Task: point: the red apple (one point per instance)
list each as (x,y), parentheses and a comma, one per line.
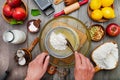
(14,3)
(7,10)
(19,13)
(113,29)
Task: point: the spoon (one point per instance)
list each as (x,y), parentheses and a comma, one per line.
(69,45)
(27,51)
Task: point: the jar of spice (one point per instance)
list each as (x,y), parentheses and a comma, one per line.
(14,36)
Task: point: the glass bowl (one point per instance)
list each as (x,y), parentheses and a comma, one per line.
(69,26)
(69,34)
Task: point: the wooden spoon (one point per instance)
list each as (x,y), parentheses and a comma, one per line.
(27,51)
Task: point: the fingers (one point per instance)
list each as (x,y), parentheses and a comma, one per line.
(41,57)
(45,65)
(89,67)
(86,62)
(83,60)
(92,67)
(77,59)
(84,67)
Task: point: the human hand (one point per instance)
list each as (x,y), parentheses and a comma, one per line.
(37,67)
(84,70)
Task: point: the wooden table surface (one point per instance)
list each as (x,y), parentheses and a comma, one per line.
(7,50)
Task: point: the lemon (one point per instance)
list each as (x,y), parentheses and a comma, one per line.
(95,4)
(96,14)
(108,12)
(106,3)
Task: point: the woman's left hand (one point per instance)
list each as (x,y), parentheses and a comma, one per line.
(37,67)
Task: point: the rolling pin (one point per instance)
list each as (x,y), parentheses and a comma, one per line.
(71,8)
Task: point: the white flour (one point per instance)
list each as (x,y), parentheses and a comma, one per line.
(106,56)
(58,41)
(32,27)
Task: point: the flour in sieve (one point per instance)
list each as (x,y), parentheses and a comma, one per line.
(58,41)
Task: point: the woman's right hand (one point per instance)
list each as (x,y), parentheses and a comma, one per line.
(84,69)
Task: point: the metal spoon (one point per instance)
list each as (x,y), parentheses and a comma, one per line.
(69,45)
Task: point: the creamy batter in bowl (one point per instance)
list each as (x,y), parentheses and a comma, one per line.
(56,47)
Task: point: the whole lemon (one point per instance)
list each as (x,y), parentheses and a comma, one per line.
(95,4)
(108,12)
(97,14)
(106,3)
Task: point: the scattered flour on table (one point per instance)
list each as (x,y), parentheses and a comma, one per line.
(106,56)
(58,41)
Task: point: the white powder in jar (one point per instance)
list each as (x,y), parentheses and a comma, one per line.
(32,27)
(58,41)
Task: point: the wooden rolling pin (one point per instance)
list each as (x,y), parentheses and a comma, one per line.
(71,8)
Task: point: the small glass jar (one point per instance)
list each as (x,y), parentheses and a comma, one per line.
(14,36)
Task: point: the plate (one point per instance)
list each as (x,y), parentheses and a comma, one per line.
(72,25)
